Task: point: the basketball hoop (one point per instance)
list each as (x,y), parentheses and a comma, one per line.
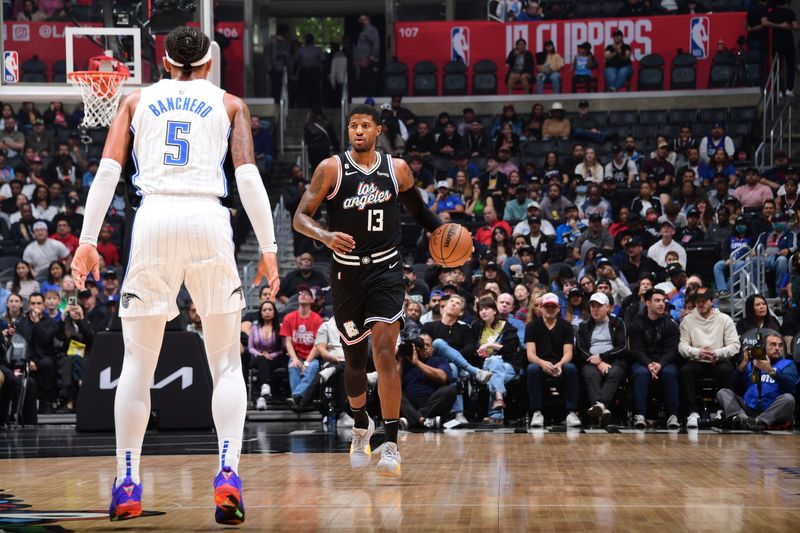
(100,89)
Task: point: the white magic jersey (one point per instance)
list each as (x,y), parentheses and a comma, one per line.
(180,141)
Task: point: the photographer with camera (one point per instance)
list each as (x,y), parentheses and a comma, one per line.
(14,374)
(427,394)
(768,379)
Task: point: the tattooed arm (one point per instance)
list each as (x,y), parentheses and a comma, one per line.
(322,182)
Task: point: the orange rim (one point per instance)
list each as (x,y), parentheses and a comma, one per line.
(90,75)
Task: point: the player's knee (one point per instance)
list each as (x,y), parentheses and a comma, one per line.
(384,355)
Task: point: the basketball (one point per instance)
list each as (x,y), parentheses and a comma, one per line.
(450,245)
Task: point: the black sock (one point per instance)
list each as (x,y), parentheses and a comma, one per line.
(390,426)
(360,417)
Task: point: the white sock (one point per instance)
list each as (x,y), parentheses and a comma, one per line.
(143,336)
(229,400)
(128,465)
(229,451)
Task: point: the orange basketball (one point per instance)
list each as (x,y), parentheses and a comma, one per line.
(450,245)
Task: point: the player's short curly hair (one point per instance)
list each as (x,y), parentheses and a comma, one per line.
(186,45)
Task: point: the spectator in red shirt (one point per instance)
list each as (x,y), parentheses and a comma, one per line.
(484,234)
(299,329)
(65,236)
(106,248)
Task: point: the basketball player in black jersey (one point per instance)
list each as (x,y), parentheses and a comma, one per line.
(363,190)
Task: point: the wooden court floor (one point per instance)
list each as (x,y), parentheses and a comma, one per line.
(470,481)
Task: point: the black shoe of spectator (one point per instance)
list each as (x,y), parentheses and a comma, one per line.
(753,424)
(45,408)
(295,403)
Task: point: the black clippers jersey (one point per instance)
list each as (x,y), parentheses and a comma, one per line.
(365,204)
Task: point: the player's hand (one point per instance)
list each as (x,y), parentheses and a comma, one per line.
(339,242)
(86,260)
(268,269)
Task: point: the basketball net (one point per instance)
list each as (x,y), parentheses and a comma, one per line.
(100,89)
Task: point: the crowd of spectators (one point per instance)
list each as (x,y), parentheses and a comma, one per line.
(581,279)
(574,255)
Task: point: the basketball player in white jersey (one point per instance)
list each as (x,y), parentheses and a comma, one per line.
(181,234)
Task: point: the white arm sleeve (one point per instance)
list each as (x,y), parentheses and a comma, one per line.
(100,195)
(256,205)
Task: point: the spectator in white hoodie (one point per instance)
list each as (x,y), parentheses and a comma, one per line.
(708,343)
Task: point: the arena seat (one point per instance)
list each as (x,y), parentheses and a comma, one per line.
(653,117)
(454,81)
(33,70)
(701,257)
(59,70)
(651,73)
(683,116)
(484,77)
(425,82)
(395,80)
(743,114)
(714,115)
(622,117)
(683,74)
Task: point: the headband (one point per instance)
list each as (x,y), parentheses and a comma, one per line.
(197,63)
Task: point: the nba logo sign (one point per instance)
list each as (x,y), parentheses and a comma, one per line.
(459,44)
(699,35)
(11,67)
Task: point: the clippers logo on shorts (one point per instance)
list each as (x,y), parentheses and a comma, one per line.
(367,194)
(302,336)
(459,44)
(11,66)
(699,35)
(350,329)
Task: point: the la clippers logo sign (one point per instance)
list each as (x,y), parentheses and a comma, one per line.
(459,44)
(700,29)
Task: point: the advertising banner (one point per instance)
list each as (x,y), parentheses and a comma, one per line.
(470,42)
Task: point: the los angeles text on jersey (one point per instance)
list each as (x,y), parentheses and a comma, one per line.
(367,194)
(193,105)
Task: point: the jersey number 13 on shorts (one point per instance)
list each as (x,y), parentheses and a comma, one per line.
(175,131)
(375,220)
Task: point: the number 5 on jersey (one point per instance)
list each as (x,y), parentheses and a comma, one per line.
(375,220)
(174,140)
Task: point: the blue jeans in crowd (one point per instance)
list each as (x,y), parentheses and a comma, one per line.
(502,373)
(442,349)
(458,363)
(641,386)
(299,381)
(617,77)
(569,384)
(555,81)
(597,137)
(720,269)
(780,264)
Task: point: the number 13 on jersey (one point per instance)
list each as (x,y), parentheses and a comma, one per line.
(375,220)
(175,139)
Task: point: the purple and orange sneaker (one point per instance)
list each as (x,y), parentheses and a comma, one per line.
(126,500)
(228,498)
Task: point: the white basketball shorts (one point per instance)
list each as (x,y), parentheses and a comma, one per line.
(181,239)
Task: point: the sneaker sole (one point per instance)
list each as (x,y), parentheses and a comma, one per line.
(227,501)
(389,472)
(126,511)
